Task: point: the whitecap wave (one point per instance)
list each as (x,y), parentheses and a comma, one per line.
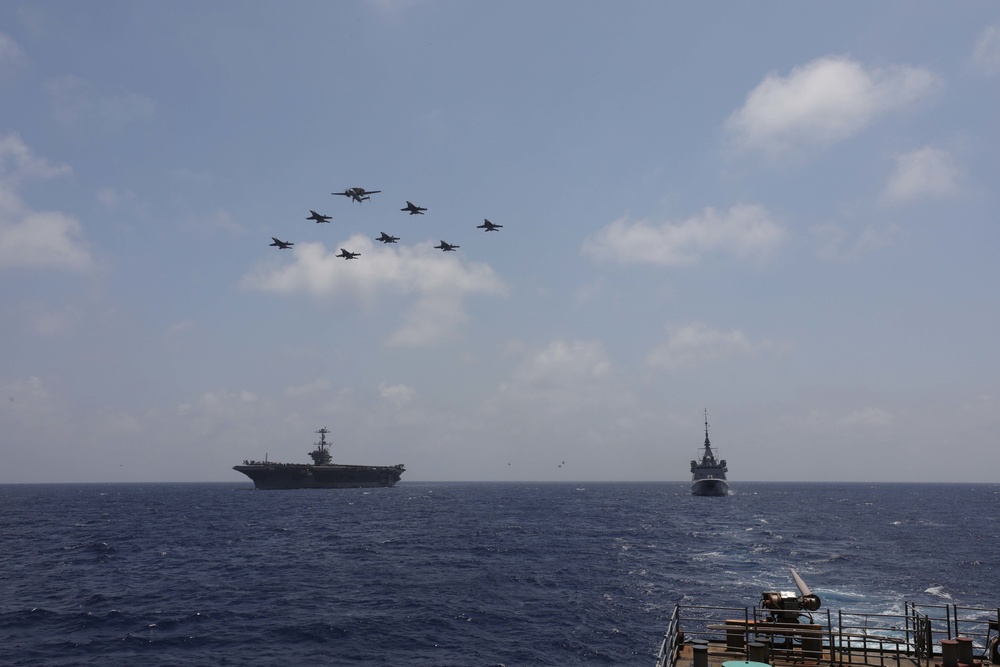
(938,591)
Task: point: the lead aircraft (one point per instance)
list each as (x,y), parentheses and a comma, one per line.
(446,247)
(386,238)
(346,254)
(413,208)
(357,194)
(284,245)
(488,226)
(318,217)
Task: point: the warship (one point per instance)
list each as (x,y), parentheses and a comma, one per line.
(708,476)
(322,473)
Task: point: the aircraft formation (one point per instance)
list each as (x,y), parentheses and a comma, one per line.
(361,195)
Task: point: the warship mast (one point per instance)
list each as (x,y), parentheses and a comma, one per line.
(708,457)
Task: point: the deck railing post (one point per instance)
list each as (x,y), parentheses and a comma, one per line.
(746,630)
(840,637)
(906,623)
(994,653)
(700,652)
(829,634)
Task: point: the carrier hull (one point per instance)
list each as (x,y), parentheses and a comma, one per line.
(293,476)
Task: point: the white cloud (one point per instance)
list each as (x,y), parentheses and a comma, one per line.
(17,161)
(51,323)
(398,394)
(590,292)
(109,197)
(922,174)
(43,241)
(120,424)
(222,403)
(434,317)
(746,231)
(315,387)
(35,239)
(22,391)
(114,199)
(564,362)
(563,376)
(866,418)
(440,282)
(836,244)
(691,344)
(190,177)
(220,220)
(75,100)
(821,103)
(393,8)
(179,329)
(10,52)
(986,54)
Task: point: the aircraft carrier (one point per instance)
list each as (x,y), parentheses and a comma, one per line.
(322,473)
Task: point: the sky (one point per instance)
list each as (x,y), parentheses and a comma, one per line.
(785,214)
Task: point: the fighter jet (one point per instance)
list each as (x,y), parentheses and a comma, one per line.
(318,217)
(284,245)
(413,208)
(488,226)
(357,194)
(446,247)
(348,255)
(385,238)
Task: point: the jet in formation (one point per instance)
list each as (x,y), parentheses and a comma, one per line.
(413,208)
(488,226)
(357,194)
(446,247)
(360,195)
(318,217)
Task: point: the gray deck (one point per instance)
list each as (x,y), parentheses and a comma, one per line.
(718,654)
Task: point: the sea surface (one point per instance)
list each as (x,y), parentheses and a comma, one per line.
(456,573)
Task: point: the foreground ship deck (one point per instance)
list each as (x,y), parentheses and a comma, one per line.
(321,474)
(921,636)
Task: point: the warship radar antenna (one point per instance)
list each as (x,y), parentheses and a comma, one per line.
(708,445)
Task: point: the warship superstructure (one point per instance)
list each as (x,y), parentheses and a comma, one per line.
(708,476)
(322,473)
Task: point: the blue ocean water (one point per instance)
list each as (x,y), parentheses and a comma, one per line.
(456,573)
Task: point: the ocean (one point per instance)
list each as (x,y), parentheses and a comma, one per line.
(456,573)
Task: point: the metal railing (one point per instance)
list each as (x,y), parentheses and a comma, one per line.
(838,638)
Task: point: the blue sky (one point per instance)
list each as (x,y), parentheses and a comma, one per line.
(786,213)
